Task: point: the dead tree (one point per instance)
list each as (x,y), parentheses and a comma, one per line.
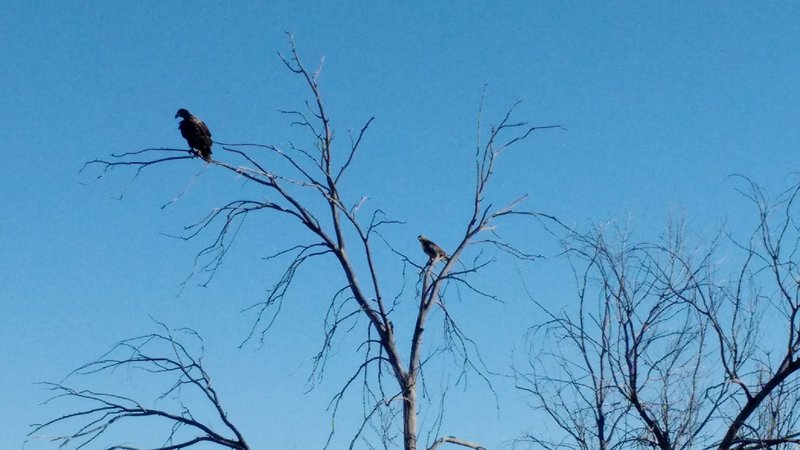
(308,191)
(159,355)
(767,288)
(665,351)
(624,367)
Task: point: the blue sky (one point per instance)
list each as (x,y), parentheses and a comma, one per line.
(661,102)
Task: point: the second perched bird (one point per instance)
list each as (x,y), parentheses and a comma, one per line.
(196,133)
(431,249)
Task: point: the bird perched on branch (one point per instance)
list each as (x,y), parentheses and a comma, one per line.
(433,251)
(196,134)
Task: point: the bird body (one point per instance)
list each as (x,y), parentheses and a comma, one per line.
(431,249)
(196,133)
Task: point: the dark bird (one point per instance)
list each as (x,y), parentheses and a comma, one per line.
(196,134)
(431,249)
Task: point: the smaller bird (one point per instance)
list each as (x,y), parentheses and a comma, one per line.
(196,134)
(433,251)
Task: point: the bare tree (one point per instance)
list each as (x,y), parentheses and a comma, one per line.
(664,352)
(627,371)
(162,356)
(767,285)
(309,192)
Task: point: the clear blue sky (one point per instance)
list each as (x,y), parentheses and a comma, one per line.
(660,101)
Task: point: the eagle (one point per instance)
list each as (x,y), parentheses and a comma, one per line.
(433,251)
(196,133)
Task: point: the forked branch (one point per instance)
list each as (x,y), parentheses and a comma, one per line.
(157,354)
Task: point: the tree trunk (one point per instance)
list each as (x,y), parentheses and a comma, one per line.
(410,414)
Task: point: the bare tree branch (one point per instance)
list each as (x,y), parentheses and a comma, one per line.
(107,411)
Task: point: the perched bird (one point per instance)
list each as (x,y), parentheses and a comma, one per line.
(431,249)
(196,133)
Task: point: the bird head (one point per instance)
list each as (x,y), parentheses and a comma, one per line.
(184,113)
(421,238)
